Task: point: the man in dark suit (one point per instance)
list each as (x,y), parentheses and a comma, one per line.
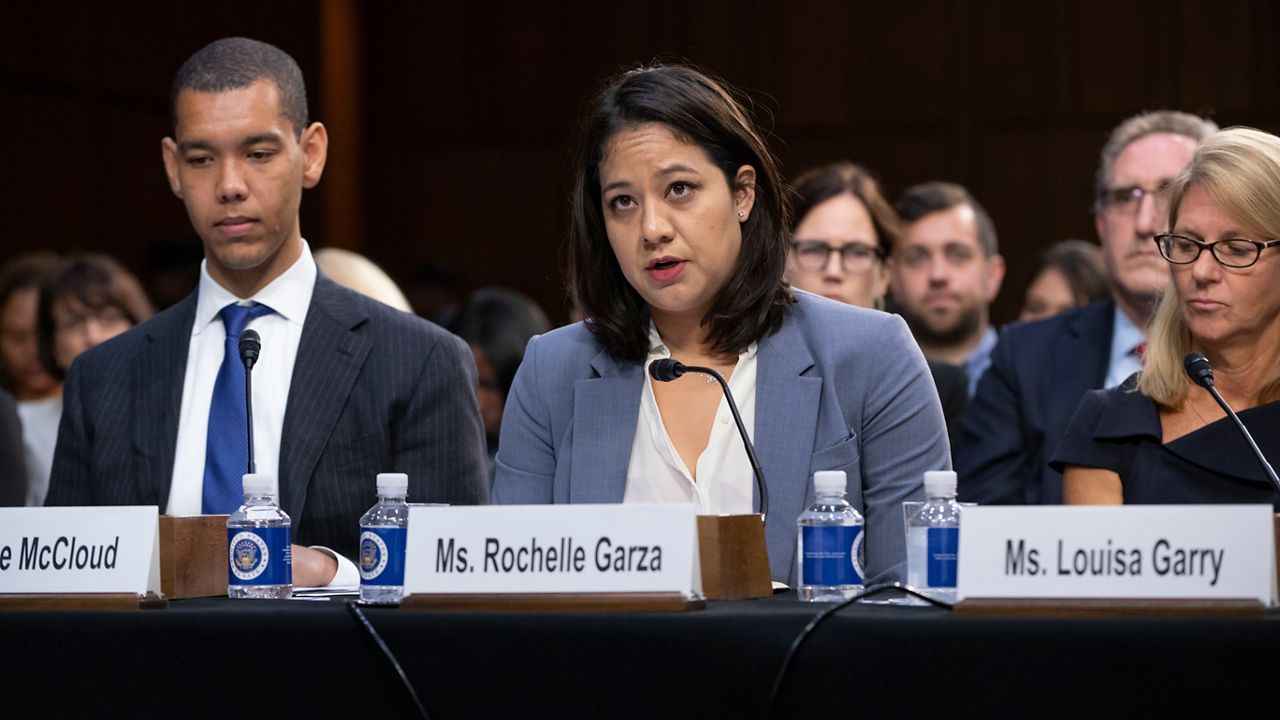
(344,388)
(1040,370)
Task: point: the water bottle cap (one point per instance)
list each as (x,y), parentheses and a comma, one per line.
(829,482)
(939,482)
(259,484)
(393,482)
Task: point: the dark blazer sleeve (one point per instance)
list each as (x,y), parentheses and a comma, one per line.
(13,469)
(994,458)
(70,479)
(1079,446)
(441,435)
(953,393)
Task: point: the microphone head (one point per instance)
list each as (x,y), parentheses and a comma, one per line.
(666,369)
(250,346)
(1198,369)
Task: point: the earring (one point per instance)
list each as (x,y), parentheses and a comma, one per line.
(741,215)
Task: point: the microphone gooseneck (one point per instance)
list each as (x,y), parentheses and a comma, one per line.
(1201,373)
(250,348)
(668,369)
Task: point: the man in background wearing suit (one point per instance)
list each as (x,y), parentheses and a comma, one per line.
(345,387)
(1040,370)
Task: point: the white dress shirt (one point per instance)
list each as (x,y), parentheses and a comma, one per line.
(725,483)
(40,420)
(289,297)
(1123,362)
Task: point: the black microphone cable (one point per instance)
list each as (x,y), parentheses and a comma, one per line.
(1201,373)
(354,607)
(250,347)
(780,679)
(668,369)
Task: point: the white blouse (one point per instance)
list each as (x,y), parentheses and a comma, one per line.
(657,473)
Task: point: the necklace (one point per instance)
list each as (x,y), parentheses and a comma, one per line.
(1195,410)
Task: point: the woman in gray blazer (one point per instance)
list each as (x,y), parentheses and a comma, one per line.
(679,246)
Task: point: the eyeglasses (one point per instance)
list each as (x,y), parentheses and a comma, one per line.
(855,257)
(1127,200)
(1232,252)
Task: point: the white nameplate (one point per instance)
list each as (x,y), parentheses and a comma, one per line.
(1114,552)
(79,550)
(553,549)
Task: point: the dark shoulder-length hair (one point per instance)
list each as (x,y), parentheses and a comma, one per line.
(844,178)
(95,281)
(703,112)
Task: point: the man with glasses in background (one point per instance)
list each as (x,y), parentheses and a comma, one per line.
(1040,370)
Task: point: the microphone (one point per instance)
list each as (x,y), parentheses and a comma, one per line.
(250,347)
(668,369)
(1201,373)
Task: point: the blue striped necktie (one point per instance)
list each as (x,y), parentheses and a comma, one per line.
(226,456)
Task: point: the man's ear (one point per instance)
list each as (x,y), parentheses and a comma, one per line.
(315,151)
(169,154)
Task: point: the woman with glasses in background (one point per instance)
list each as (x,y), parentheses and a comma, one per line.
(1160,438)
(842,246)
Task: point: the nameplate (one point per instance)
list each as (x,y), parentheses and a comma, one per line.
(79,550)
(553,549)
(1113,552)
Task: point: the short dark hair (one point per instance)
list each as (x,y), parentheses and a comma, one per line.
(934,196)
(704,112)
(1080,263)
(236,63)
(500,321)
(24,272)
(97,282)
(844,178)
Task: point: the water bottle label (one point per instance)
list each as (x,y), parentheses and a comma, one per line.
(382,555)
(259,556)
(832,555)
(943,548)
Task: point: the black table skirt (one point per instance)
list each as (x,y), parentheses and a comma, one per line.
(224,658)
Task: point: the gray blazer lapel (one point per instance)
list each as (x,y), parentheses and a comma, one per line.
(786,424)
(158,376)
(330,355)
(605,411)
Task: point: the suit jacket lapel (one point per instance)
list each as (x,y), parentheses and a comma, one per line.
(158,377)
(330,355)
(786,425)
(1080,361)
(605,411)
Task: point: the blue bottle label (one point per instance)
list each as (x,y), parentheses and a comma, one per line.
(832,555)
(943,549)
(259,556)
(382,555)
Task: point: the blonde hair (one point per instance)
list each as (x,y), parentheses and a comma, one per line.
(359,273)
(1240,169)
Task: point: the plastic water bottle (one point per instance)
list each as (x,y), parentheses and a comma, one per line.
(830,543)
(383,531)
(933,538)
(259,550)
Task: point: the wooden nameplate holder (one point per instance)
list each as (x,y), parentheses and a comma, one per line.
(193,556)
(734,558)
(1076,608)
(733,561)
(83,602)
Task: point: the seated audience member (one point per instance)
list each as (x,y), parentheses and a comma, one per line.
(357,272)
(1067,275)
(679,246)
(344,387)
(38,393)
(1159,438)
(1040,370)
(88,300)
(13,469)
(842,247)
(497,323)
(947,272)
